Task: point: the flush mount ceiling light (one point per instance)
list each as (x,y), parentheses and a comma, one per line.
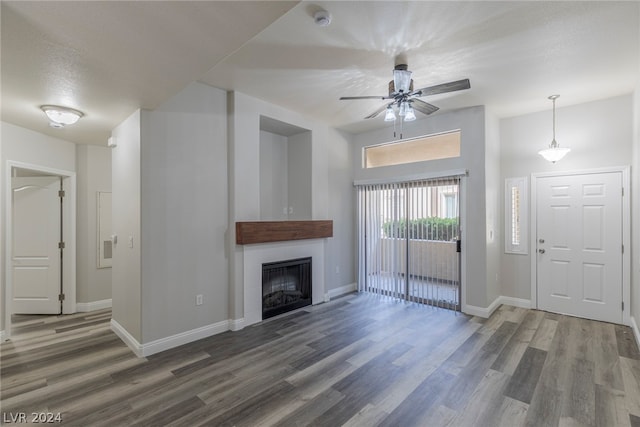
(60,117)
(554,152)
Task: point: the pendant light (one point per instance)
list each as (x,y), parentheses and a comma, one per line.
(554,152)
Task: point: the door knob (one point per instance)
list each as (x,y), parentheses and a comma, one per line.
(541,240)
(541,251)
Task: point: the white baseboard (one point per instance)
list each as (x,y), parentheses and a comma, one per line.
(127,338)
(236,324)
(162,344)
(83,307)
(515,302)
(486,312)
(342,290)
(636,331)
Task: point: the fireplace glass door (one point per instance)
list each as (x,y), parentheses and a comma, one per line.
(286,286)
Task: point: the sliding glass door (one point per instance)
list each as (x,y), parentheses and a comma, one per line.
(409,241)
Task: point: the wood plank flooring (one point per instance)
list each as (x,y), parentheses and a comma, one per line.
(361,360)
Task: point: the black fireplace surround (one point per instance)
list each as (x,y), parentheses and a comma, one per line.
(286,285)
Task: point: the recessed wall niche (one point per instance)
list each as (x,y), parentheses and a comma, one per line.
(285,171)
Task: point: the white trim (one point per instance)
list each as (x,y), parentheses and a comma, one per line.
(626,235)
(501,300)
(481,311)
(415,177)
(522,183)
(182,338)
(515,302)
(636,331)
(69,226)
(236,324)
(83,307)
(162,344)
(342,290)
(126,337)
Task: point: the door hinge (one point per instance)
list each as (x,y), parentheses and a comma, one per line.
(623,248)
(60,297)
(61,193)
(60,245)
(622,191)
(622,305)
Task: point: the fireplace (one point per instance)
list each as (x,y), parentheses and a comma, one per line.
(286,285)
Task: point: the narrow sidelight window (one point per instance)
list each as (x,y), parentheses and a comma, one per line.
(515,215)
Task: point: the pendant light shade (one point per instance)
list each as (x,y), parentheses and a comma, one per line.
(410,115)
(389,116)
(554,152)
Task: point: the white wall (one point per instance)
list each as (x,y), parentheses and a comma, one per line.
(341,249)
(635,208)
(184,213)
(493,189)
(94,175)
(599,134)
(300,168)
(126,270)
(471,122)
(26,146)
(274,177)
(244,175)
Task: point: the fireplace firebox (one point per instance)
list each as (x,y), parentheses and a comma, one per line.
(286,285)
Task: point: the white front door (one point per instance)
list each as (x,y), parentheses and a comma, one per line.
(36,234)
(579,245)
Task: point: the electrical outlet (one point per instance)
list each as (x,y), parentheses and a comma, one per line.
(199,299)
(130,241)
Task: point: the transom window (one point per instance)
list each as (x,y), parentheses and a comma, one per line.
(431,147)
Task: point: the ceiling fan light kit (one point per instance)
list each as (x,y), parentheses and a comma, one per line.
(390,116)
(554,152)
(405,99)
(60,117)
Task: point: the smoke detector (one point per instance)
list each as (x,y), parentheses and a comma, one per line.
(322,18)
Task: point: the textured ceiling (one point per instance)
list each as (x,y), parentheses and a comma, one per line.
(110,58)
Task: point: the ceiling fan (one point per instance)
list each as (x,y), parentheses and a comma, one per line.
(404,97)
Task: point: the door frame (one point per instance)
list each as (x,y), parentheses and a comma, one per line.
(626,231)
(69,233)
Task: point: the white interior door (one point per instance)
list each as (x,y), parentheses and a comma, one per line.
(36,234)
(579,245)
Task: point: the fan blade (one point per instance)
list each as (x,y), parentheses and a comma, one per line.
(343,98)
(442,88)
(423,107)
(378,111)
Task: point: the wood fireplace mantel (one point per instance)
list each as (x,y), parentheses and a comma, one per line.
(279,231)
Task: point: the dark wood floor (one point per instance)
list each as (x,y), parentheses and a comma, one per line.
(361,360)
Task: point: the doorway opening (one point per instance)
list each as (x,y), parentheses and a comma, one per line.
(410,239)
(40,276)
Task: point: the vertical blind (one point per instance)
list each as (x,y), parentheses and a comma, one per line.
(407,240)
